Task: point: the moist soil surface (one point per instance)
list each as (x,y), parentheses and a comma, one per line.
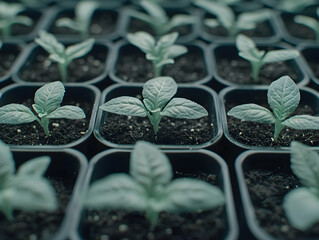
(133,67)
(103,22)
(42,69)
(62,131)
(238,71)
(267,188)
(127,130)
(261,135)
(202,225)
(7,58)
(40,224)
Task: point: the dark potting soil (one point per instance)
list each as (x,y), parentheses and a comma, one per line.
(127,130)
(314,65)
(295,29)
(103,23)
(238,71)
(19,29)
(42,69)
(37,225)
(62,131)
(7,58)
(267,188)
(257,134)
(201,225)
(133,67)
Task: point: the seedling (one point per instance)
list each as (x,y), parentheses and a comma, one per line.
(157,102)
(84,11)
(283,98)
(63,56)
(47,100)
(160,52)
(9,16)
(309,22)
(149,188)
(295,6)
(25,189)
(257,58)
(157,19)
(301,204)
(226,18)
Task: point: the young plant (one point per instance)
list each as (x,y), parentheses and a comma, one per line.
(226,18)
(283,98)
(301,205)
(160,52)
(157,19)
(25,189)
(157,102)
(309,22)
(47,100)
(63,56)
(9,16)
(84,11)
(295,6)
(149,188)
(247,49)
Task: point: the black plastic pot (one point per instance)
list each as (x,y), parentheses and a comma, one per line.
(193,67)
(199,94)
(188,162)
(9,55)
(311,63)
(35,66)
(108,12)
(274,179)
(67,165)
(87,96)
(225,58)
(265,33)
(187,33)
(234,96)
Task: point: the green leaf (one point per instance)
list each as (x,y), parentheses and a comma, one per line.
(280,55)
(305,164)
(23,20)
(149,166)
(283,97)
(116,191)
(301,208)
(184,108)
(159,91)
(180,20)
(252,112)
(309,22)
(302,122)
(50,96)
(164,62)
(155,11)
(188,195)
(175,51)
(249,20)
(84,11)
(142,40)
(7,165)
(244,43)
(167,40)
(128,106)
(80,49)
(68,23)
(50,43)
(16,114)
(68,112)
(35,167)
(212,23)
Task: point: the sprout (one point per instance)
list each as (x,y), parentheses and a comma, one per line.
(309,22)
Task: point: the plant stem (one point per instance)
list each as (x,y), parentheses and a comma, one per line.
(157,70)
(155,118)
(256,69)
(44,123)
(278,127)
(63,68)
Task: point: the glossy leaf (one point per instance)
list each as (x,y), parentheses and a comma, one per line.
(35,167)
(67,112)
(280,55)
(80,49)
(302,122)
(16,114)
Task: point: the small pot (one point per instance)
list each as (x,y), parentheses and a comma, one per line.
(225,54)
(186,162)
(67,165)
(36,66)
(264,178)
(199,94)
(265,33)
(19,93)
(192,67)
(105,25)
(234,96)
(187,33)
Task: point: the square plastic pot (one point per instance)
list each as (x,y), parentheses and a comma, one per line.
(18,93)
(228,53)
(199,94)
(274,165)
(194,67)
(194,161)
(101,52)
(234,96)
(67,165)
